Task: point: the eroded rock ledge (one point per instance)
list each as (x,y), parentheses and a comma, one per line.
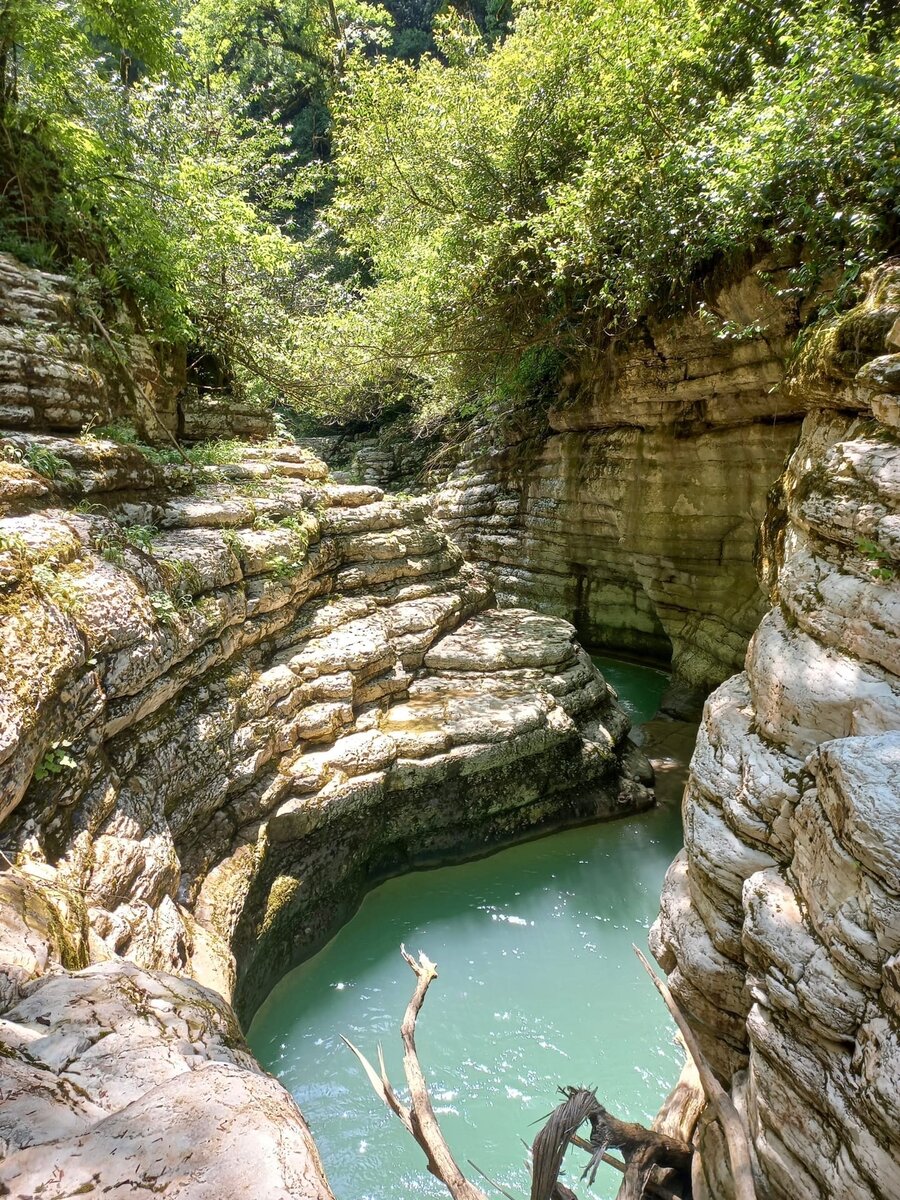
(780,920)
(634,511)
(233,696)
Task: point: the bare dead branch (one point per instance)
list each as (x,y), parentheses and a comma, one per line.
(719,1099)
(419,1119)
(426,1129)
(382,1086)
(643,1149)
(138,395)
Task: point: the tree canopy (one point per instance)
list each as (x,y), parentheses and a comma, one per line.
(515,203)
(347,202)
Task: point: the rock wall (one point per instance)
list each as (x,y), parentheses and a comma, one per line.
(233,694)
(635,514)
(203,670)
(390,452)
(57,367)
(125,1082)
(780,920)
(59,370)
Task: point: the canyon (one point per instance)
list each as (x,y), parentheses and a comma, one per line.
(644,514)
(237,693)
(234,697)
(634,509)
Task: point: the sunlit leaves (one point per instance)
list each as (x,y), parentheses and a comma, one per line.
(580,174)
(152,186)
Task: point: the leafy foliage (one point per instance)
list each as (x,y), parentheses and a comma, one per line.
(140,536)
(123,166)
(585,171)
(164,607)
(56,759)
(881,567)
(44,461)
(500,188)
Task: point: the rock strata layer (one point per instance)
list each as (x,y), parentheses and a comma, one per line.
(780,920)
(61,368)
(635,513)
(233,695)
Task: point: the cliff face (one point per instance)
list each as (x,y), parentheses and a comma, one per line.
(198,681)
(636,513)
(233,695)
(780,921)
(59,371)
(61,368)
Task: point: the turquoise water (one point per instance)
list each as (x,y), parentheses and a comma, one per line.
(538,986)
(640,688)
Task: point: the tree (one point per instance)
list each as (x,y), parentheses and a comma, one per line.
(515,202)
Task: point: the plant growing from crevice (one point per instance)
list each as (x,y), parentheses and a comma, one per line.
(183,574)
(56,760)
(14,544)
(140,536)
(164,607)
(232,540)
(45,462)
(280,567)
(57,586)
(302,526)
(882,567)
(111,546)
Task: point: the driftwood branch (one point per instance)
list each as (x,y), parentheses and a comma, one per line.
(646,1153)
(643,1149)
(419,1119)
(660,1190)
(720,1101)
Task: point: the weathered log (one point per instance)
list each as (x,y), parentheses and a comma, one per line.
(643,1149)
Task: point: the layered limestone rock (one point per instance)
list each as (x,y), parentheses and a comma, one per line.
(201,677)
(233,695)
(780,920)
(127,1082)
(635,513)
(60,368)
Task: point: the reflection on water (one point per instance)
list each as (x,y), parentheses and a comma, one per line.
(538,987)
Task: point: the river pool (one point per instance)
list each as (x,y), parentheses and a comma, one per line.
(538,987)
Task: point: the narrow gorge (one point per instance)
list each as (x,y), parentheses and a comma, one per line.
(450,599)
(237,694)
(234,697)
